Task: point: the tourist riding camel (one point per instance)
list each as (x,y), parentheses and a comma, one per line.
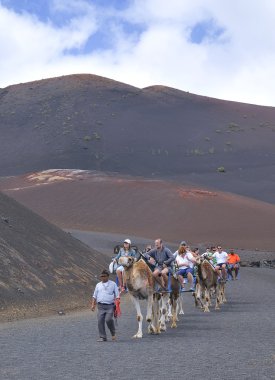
(233,264)
(141,285)
(170,305)
(221,257)
(126,250)
(162,258)
(207,280)
(185,263)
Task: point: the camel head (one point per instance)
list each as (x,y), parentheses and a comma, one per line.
(198,260)
(126,261)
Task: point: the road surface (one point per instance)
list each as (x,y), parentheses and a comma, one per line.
(237,342)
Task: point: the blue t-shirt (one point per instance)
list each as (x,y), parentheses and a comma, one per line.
(122,252)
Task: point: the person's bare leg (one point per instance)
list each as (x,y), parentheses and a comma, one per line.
(223,272)
(164,273)
(190,279)
(120,280)
(180,278)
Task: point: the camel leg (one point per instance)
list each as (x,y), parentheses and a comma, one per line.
(174,299)
(163,311)
(206,304)
(211,295)
(180,305)
(149,314)
(217,306)
(221,293)
(154,327)
(169,313)
(139,317)
(198,296)
(224,299)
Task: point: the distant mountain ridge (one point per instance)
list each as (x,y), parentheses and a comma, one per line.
(89,122)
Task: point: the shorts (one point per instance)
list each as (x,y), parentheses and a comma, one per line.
(220,265)
(231,266)
(120,268)
(160,268)
(185,271)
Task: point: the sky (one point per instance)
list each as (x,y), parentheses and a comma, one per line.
(218,48)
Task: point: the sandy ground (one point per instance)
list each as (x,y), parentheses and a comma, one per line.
(94,201)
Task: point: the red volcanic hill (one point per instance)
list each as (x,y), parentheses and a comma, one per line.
(94,123)
(99,202)
(43,269)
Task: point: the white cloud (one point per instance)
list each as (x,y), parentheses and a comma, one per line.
(236,65)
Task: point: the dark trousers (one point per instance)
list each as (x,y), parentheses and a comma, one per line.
(105,314)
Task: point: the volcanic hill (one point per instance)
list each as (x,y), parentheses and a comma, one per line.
(43,269)
(94,123)
(94,201)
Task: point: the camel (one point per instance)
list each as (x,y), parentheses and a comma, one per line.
(207,281)
(141,285)
(169,305)
(180,310)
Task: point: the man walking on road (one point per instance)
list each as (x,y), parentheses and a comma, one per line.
(221,257)
(105,294)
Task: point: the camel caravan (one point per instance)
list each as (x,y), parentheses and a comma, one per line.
(160,277)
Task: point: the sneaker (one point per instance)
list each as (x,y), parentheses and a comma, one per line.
(191,289)
(101,340)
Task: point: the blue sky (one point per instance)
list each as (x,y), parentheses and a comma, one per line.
(223,49)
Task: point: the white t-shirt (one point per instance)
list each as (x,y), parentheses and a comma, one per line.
(190,257)
(221,257)
(185,260)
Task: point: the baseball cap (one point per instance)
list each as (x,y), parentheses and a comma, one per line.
(183,243)
(127,241)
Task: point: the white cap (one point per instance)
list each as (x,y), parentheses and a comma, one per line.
(127,241)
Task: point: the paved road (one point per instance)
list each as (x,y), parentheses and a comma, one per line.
(237,342)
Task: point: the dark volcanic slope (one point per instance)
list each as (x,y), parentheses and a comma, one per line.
(90,122)
(148,208)
(42,268)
